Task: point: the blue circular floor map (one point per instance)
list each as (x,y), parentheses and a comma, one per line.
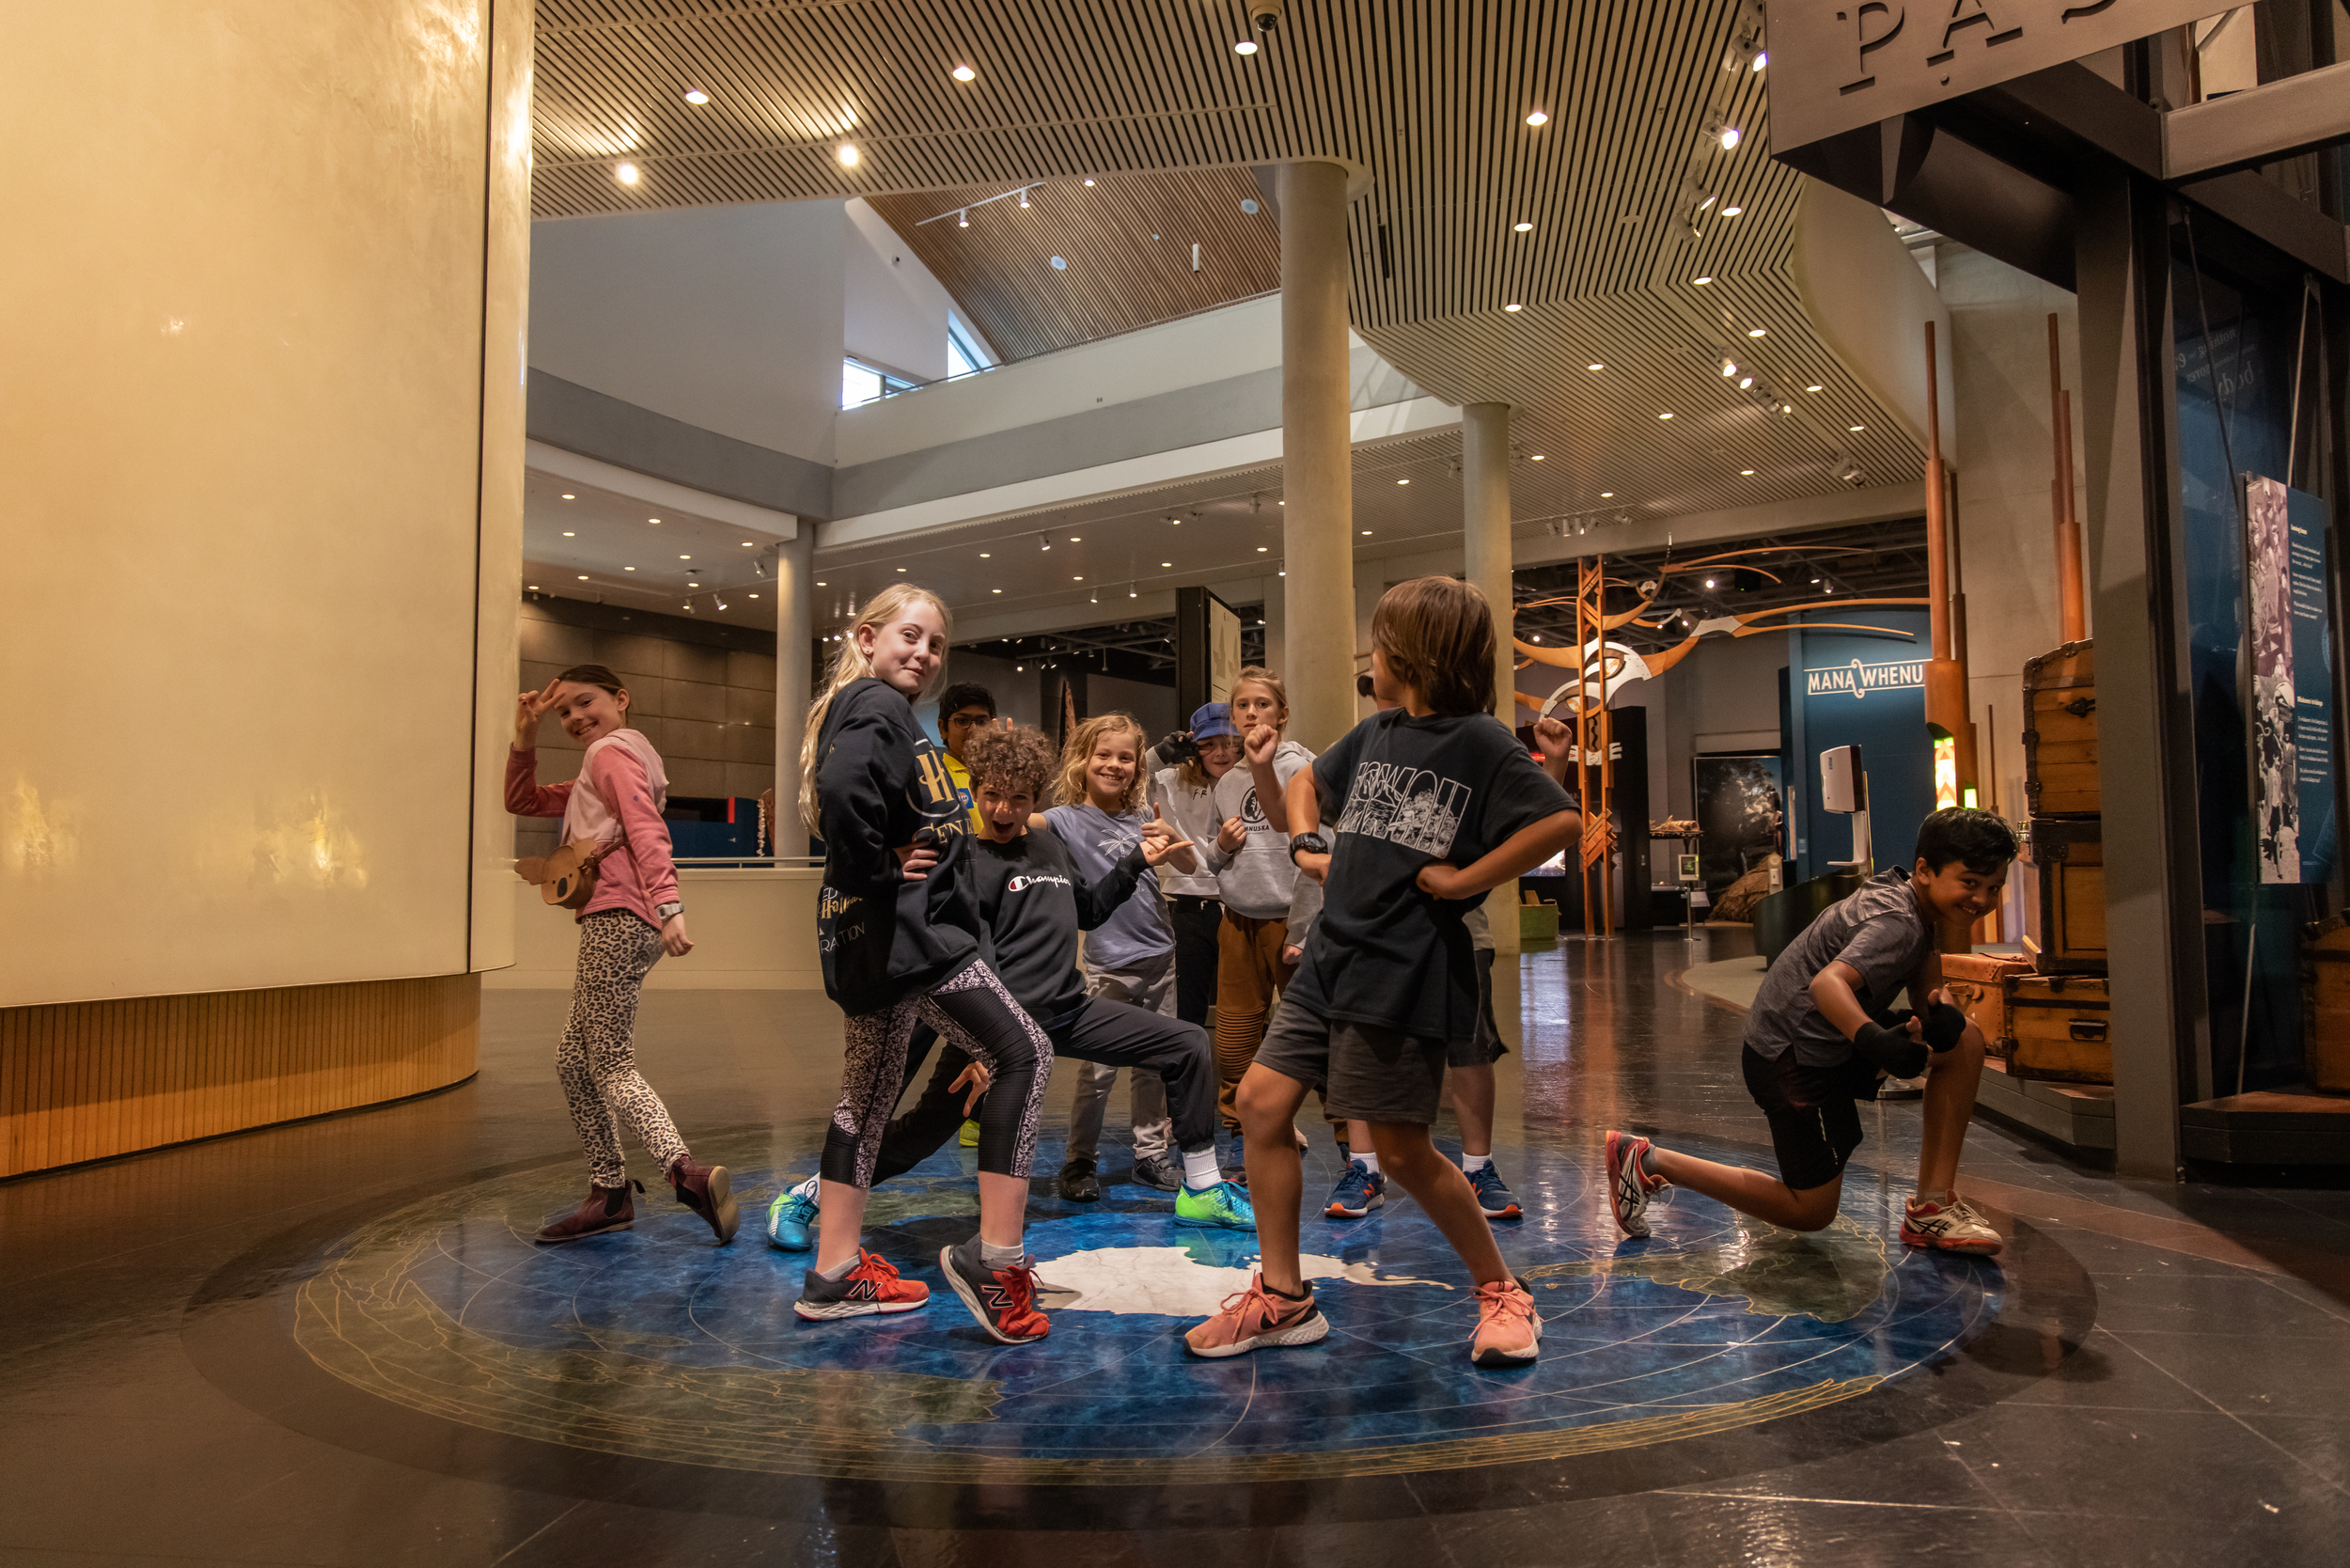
(653,1343)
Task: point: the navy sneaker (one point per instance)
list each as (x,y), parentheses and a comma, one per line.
(1493,1194)
(1359,1191)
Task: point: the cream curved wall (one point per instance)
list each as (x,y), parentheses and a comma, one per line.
(260,462)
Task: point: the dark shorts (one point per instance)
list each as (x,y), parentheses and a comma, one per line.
(1365,1073)
(1487,1047)
(1814,1127)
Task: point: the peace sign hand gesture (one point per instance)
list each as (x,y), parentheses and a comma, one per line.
(530,708)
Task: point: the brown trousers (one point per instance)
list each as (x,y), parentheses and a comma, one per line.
(1250,975)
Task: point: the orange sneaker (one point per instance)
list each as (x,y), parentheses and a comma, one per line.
(1508,1330)
(1255,1317)
(872,1286)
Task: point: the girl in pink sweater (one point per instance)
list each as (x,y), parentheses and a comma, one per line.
(633,919)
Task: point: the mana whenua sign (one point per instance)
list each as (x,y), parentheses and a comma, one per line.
(1857,680)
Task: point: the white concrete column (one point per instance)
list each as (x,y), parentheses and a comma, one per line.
(1317,456)
(1486,562)
(1275,601)
(795,630)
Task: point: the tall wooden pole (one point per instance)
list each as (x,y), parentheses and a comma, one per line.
(1946,678)
(1583,735)
(2072,598)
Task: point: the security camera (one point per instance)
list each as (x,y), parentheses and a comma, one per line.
(1263,14)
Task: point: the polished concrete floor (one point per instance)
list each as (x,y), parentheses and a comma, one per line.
(332,1344)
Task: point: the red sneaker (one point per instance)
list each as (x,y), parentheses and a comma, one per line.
(872,1286)
(1003,1299)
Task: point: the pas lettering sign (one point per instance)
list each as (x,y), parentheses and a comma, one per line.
(1836,65)
(1857,680)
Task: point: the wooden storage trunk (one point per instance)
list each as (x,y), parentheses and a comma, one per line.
(2060,732)
(1973,981)
(2063,872)
(2326,1023)
(2060,1023)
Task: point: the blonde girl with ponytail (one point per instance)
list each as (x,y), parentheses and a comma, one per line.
(899,938)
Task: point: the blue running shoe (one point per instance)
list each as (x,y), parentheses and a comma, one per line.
(792,1219)
(1222,1204)
(1492,1193)
(1359,1191)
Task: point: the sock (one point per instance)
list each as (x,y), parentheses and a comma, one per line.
(1001,1257)
(1472,1164)
(1940,1200)
(1368,1161)
(1200,1171)
(838,1271)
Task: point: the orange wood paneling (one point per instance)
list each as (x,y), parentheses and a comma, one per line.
(88,1080)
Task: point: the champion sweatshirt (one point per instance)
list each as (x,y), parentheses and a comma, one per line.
(1034,902)
(880,783)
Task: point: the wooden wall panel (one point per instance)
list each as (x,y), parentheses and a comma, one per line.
(88,1080)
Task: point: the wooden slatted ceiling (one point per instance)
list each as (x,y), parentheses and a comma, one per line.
(1127,240)
(1429,96)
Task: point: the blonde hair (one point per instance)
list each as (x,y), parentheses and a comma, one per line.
(851,663)
(1270,681)
(1070,791)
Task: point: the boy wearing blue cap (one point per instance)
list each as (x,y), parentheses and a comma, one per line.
(1182,786)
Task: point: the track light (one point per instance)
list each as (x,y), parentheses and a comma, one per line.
(1043,543)
(1721,131)
(1024,195)
(1729,369)
(963,217)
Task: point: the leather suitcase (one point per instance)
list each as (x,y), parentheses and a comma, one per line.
(2060,732)
(2063,874)
(2061,1023)
(2325,1006)
(1973,981)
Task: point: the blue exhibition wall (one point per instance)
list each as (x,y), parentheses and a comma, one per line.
(1864,689)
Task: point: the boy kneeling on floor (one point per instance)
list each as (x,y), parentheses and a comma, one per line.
(1821,1034)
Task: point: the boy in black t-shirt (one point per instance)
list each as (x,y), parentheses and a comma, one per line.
(1820,1035)
(1435,802)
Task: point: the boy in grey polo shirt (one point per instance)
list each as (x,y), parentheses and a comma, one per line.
(1822,1032)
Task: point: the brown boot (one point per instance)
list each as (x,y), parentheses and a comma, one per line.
(707,1190)
(605,1209)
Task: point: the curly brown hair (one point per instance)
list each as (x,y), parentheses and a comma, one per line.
(1014,759)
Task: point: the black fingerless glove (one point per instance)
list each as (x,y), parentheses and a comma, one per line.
(1891,1049)
(1944,1025)
(1176,748)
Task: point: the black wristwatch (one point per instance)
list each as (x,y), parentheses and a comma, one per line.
(1310,843)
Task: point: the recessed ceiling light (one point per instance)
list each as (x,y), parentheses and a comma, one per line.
(1702,282)
(693,585)
(569,496)
(1856,428)
(1246,46)
(1595,365)
(823,584)
(652,520)
(1815,389)
(568,533)
(1605,494)
(628,569)
(1758,331)
(1077,579)
(1076,539)
(1666,415)
(1166,563)
(1538,457)
(583,576)
(1366,533)
(1403,481)
(1513,306)
(964,73)
(1746,473)
(1538,118)
(902,572)
(748,546)
(685,557)
(1522,225)
(847,155)
(532,587)
(1731,211)
(626,174)
(1261,549)
(984,553)
(695,95)
(995,590)
(1088,180)
(754,596)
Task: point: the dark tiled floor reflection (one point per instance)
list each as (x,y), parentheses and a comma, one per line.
(2166,1382)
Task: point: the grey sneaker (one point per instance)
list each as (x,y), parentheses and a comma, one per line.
(1157,1170)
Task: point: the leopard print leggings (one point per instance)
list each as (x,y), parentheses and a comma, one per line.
(597,1059)
(972,1012)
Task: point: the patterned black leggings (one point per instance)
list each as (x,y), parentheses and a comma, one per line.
(972,1012)
(597,1059)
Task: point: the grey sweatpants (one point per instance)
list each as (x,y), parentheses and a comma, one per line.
(1150,986)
